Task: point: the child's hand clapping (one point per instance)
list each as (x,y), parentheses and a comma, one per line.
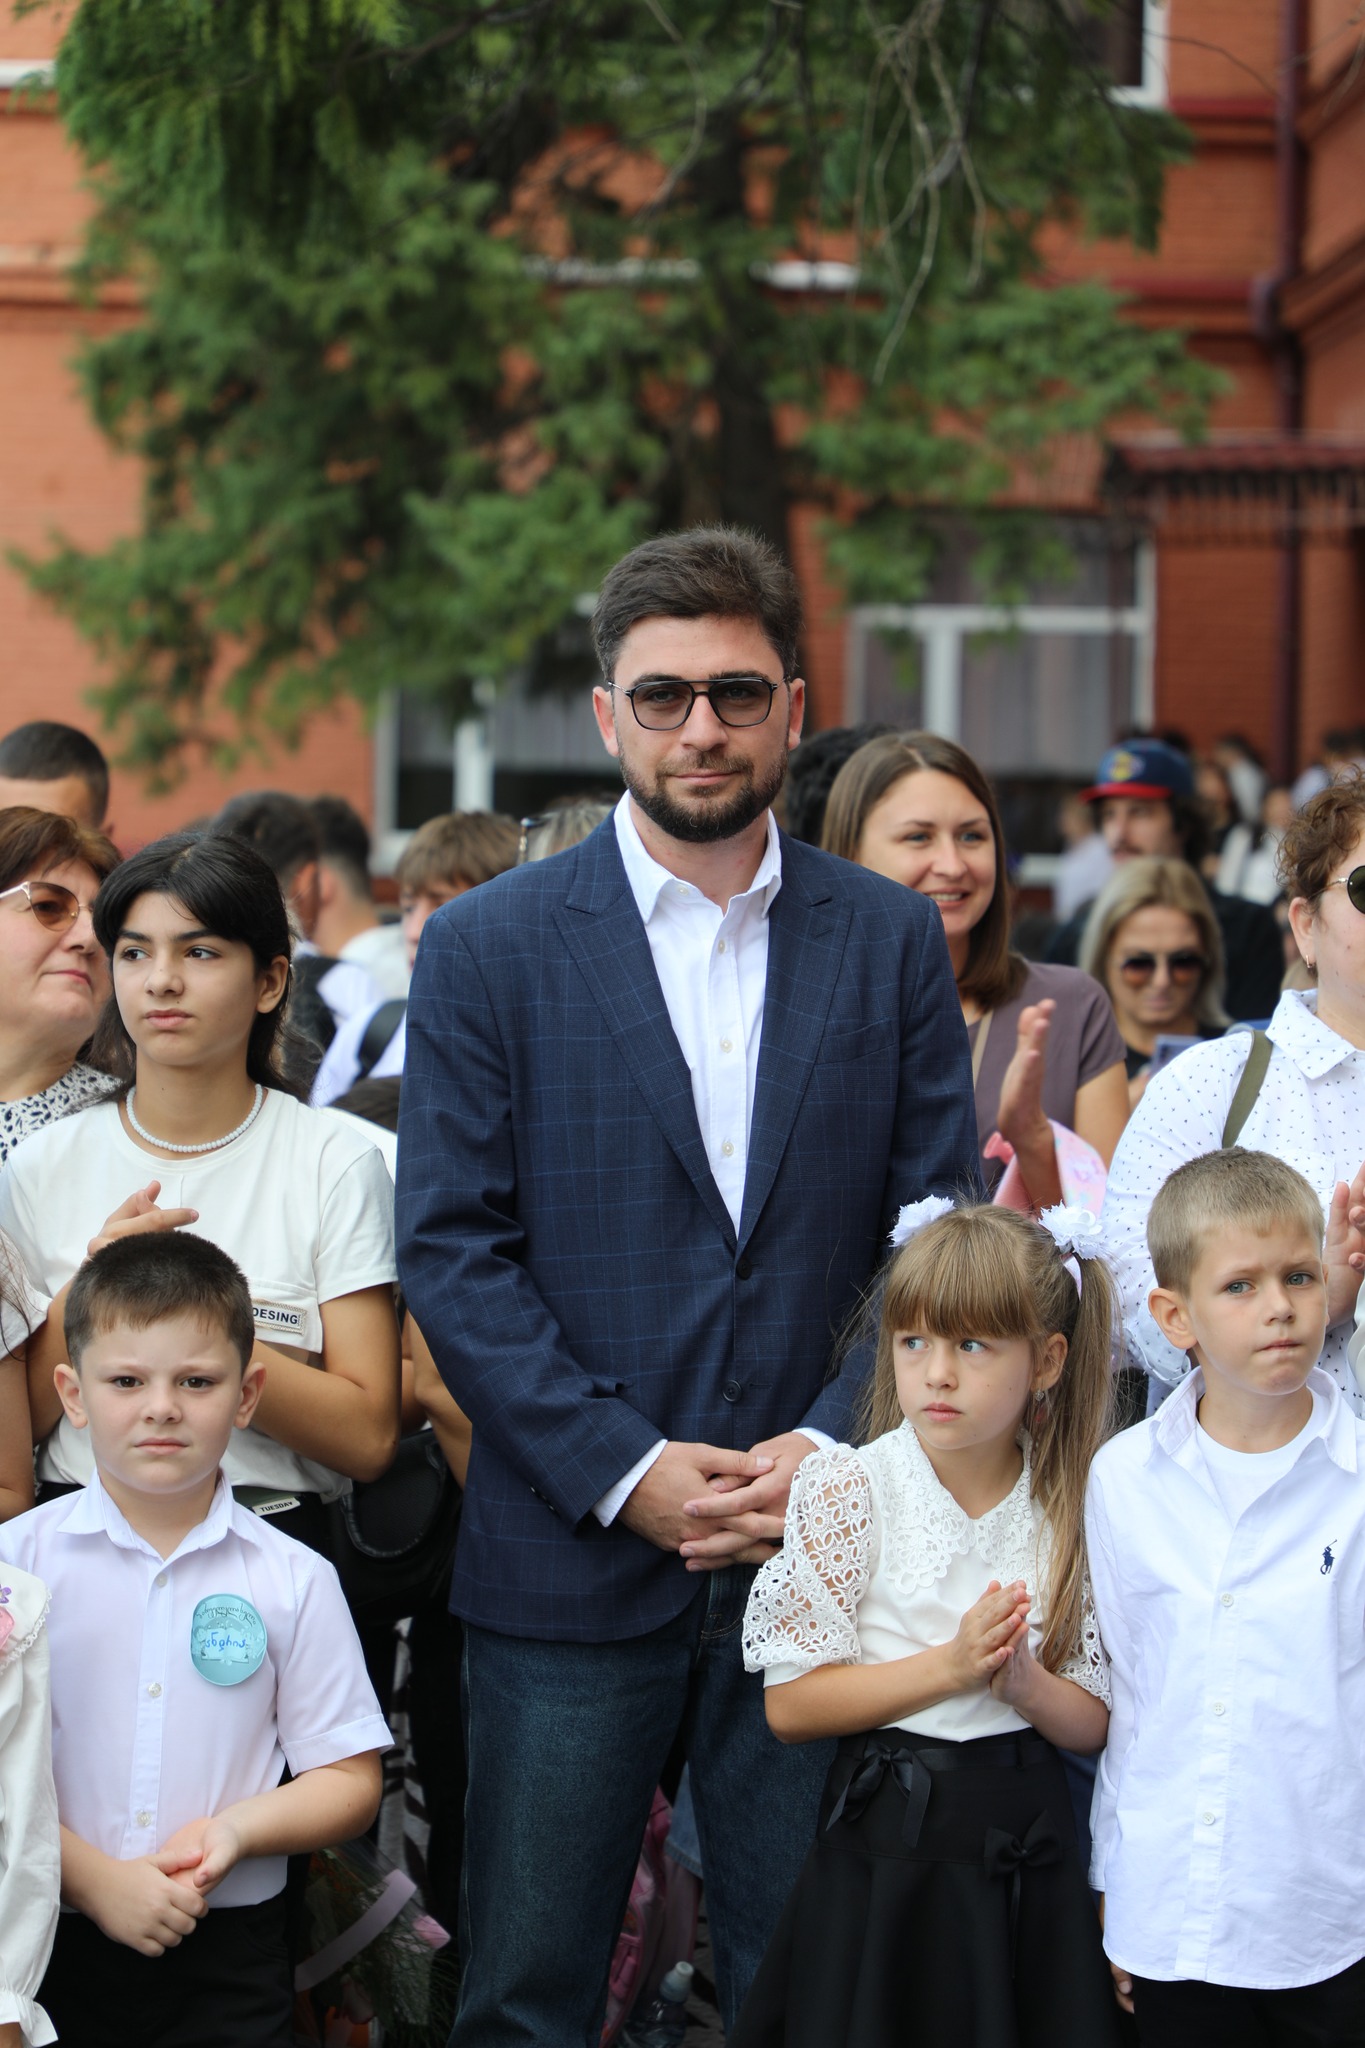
(987,1632)
(139,1904)
(203,1850)
(1015,1680)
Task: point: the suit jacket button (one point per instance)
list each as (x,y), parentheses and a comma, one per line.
(744,1267)
(732,1390)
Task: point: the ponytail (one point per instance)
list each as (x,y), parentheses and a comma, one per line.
(1067,1425)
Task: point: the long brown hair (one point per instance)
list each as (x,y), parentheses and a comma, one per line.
(988,1272)
(994,974)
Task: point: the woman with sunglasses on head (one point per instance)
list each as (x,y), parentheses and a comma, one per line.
(1152,942)
(53,975)
(1307,1106)
(207,1131)
(1045,1051)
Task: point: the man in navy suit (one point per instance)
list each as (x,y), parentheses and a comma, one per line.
(664,1094)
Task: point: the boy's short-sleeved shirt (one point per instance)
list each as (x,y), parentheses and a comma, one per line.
(302,1201)
(144,1736)
(1229,1817)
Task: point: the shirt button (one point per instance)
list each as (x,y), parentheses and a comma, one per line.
(161,1578)
(1226,1599)
(725,1045)
(154,1691)
(727,1150)
(720,945)
(1208,1819)
(1218,1707)
(144,1820)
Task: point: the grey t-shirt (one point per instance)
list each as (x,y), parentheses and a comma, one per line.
(1084,1041)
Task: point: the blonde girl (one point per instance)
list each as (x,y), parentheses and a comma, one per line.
(930,1609)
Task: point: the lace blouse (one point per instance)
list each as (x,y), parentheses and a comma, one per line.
(879,1562)
(77,1087)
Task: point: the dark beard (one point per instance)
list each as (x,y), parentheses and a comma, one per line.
(709,822)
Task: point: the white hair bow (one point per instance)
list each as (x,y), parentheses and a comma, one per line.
(1075,1231)
(914,1216)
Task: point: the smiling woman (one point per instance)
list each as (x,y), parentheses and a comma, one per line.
(208,1132)
(53,976)
(917,809)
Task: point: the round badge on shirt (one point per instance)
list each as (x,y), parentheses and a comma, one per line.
(227,1639)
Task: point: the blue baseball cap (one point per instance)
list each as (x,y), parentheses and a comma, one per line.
(1145,769)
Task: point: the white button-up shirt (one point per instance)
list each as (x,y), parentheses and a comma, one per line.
(1310,1112)
(712,966)
(142,1743)
(1229,1816)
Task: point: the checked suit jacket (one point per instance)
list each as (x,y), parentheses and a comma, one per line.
(563,1246)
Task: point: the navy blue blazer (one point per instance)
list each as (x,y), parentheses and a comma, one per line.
(563,1246)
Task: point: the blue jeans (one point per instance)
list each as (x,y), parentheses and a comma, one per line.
(566,1742)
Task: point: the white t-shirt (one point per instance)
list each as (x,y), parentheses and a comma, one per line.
(302,1201)
(1243,1476)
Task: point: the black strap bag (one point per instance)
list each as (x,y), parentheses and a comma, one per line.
(395,1536)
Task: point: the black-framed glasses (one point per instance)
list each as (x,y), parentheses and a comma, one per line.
(1183,967)
(663,703)
(1354,885)
(55,907)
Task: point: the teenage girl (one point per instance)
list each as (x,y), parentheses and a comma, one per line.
(930,1607)
(211,1133)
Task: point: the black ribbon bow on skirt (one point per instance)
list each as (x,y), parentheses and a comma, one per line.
(908,1768)
(1006,1855)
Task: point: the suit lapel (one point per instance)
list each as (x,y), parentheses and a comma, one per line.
(807,932)
(601,926)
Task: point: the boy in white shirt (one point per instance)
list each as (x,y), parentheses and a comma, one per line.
(196,1652)
(1226,1539)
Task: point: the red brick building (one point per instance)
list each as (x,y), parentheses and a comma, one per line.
(1215,588)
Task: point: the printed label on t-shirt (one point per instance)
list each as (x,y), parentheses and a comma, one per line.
(269,1315)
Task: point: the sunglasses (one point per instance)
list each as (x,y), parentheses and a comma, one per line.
(663,703)
(55,907)
(1354,885)
(1137,969)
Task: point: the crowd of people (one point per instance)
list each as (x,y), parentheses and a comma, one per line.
(688,1314)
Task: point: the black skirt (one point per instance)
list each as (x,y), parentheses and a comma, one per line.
(943,1905)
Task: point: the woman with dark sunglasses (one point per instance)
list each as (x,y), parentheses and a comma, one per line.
(53,975)
(1152,942)
(1308,1107)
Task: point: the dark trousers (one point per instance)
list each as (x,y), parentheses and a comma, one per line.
(565,1744)
(228,1985)
(1195,2015)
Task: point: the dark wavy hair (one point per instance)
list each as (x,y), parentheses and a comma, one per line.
(227,887)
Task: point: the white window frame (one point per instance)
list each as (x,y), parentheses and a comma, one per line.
(1155,89)
(942,628)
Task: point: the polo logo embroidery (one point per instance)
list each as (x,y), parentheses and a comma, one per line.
(1327,1558)
(268,1315)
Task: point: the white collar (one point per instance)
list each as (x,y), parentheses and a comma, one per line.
(1176,1423)
(648,879)
(94,1513)
(1302,1036)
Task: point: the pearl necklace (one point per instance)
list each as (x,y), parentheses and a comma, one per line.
(213,1145)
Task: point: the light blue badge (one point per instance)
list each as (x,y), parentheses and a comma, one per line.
(227,1639)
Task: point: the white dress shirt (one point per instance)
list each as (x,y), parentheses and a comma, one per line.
(712,966)
(1229,1816)
(142,1743)
(1310,1112)
(30,1842)
(879,1562)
